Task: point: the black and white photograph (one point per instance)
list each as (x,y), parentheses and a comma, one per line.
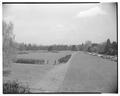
(60,47)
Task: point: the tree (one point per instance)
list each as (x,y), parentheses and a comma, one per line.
(101,48)
(87,45)
(8,44)
(115,48)
(50,48)
(73,48)
(94,48)
(108,48)
(89,49)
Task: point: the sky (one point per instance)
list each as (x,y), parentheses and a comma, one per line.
(47,24)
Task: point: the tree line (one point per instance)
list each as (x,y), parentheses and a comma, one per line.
(107,47)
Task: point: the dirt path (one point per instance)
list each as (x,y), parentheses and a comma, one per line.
(53,79)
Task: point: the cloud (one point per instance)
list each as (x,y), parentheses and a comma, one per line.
(59,26)
(92,12)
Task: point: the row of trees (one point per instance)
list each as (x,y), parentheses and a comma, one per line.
(23,46)
(107,47)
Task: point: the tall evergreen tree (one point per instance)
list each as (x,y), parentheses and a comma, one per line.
(108,47)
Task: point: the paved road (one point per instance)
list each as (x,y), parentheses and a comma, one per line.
(87,73)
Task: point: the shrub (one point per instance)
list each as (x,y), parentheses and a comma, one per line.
(14,87)
(115,58)
(64,59)
(29,61)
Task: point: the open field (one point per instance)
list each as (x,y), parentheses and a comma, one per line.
(31,74)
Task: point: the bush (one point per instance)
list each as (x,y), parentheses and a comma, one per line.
(64,59)
(30,61)
(115,58)
(14,87)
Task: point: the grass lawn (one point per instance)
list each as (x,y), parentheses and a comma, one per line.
(32,73)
